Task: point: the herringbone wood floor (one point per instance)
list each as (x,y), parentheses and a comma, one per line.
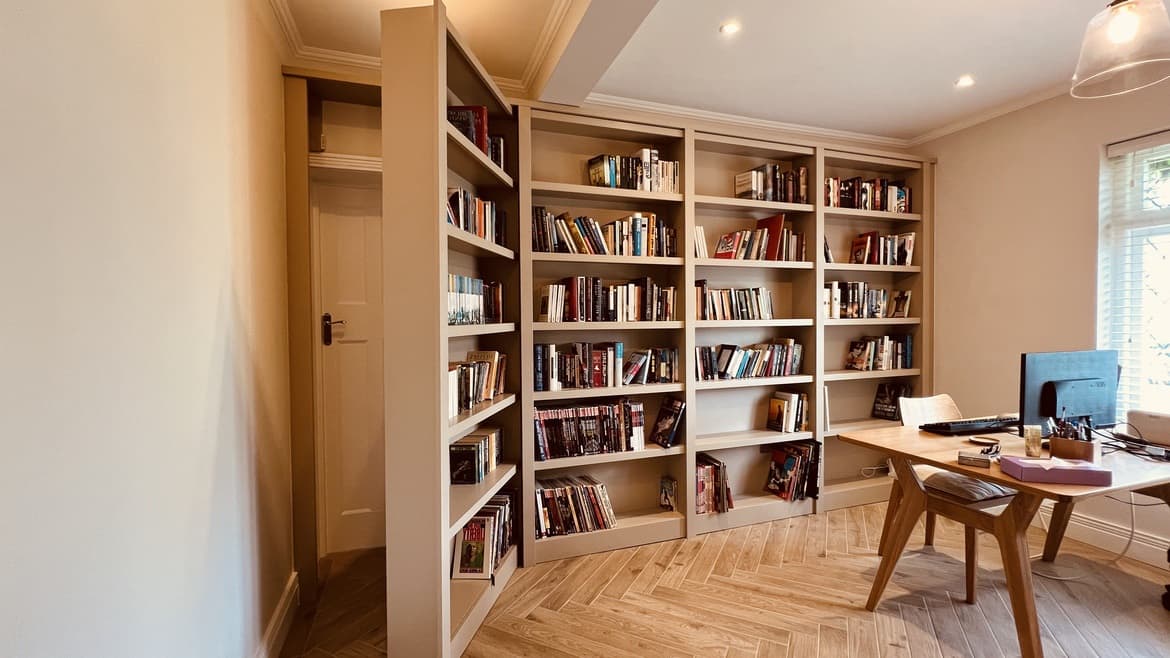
(798,587)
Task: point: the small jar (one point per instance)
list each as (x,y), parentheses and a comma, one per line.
(1033,437)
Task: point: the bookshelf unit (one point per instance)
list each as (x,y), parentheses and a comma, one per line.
(429,612)
(726,418)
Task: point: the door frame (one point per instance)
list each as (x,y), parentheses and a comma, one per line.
(343,175)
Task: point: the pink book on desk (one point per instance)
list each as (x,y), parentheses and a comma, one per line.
(1055,471)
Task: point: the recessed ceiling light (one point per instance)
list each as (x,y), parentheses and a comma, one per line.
(965,81)
(729,28)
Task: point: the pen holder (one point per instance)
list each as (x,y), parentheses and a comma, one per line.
(1073,449)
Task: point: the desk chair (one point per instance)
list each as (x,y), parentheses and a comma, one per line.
(944,485)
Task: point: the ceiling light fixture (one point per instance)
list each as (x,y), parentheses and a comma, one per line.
(729,28)
(1126,48)
(964,81)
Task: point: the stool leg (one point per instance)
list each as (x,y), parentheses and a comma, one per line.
(971,541)
(929,529)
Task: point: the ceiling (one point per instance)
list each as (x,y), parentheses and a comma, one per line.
(881,68)
(884,69)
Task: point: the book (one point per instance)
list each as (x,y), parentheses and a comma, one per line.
(859,250)
(788,412)
(643,170)
(668,421)
(901,304)
(700,243)
(828,252)
(466,460)
(728,245)
(885,400)
(712,485)
(792,472)
(471,120)
(571,505)
(473,553)
(667,492)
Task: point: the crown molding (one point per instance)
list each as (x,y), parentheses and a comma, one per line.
(740,120)
(989,114)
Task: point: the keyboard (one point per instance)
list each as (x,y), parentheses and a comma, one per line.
(973,425)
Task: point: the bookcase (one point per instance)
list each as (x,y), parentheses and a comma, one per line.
(725,418)
(429,612)
(548,148)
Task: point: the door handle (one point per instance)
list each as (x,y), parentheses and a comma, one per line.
(327,323)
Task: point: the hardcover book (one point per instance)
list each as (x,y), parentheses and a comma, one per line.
(472,553)
(885,400)
(668,421)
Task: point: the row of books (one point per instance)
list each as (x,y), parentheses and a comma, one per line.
(589,299)
(874,249)
(472,121)
(874,194)
(712,485)
(592,429)
(768,182)
(571,505)
(881,353)
(761,360)
(478,378)
(482,543)
(788,412)
(642,170)
(732,303)
(856,299)
(484,218)
(640,234)
(476,455)
(770,240)
(601,365)
(473,301)
(792,473)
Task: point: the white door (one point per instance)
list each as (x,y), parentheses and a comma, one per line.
(348,280)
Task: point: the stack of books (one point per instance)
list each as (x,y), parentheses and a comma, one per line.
(572,504)
(640,234)
(473,301)
(732,303)
(475,215)
(788,412)
(592,429)
(770,240)
(873,194)
(712,485)
(768,182)
(472,121)
(761,360)
(874,249)
(589,299)
(642,170)
(856,299)
(484,540)
(476,455)
(601,365)
(478,378)
(880,353)
(792,474)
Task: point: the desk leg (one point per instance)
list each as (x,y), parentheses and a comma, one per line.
(911,506)
(1011,531)
(1061,512)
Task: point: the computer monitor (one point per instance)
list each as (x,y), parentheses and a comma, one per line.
(1069,385)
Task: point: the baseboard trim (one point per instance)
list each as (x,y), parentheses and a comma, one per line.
(281,621)
(854,493)
(1108,536)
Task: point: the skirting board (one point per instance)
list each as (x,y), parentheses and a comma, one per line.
(281,621)
(1109,536)
(854,493)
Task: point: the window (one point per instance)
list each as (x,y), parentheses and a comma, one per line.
(1133,288)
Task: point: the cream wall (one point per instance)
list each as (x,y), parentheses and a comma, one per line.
(1016,250)
(144,479)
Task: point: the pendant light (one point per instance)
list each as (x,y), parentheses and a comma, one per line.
(1126,48)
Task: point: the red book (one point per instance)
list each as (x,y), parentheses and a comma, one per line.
(479,112)
(727,246)
(597,372)
(775,226)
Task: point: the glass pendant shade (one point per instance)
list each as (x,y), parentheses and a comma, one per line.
(1126,48)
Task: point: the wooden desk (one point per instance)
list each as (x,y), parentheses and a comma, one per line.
(908,445)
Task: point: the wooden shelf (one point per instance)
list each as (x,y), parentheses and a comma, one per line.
(606,258)
(473,245)
(844,375)
(858,267)
(633,529)
(724,440)
(606,326)
(472,599)
(706,202)
(633,389)
(459,426)
(651,451)
(458,330)
(746,382)
(467,499)
(870,322)
(877,215)
(732,324)
(859,424)
(593,193)
(472,164)
(751,508)
(760,264)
